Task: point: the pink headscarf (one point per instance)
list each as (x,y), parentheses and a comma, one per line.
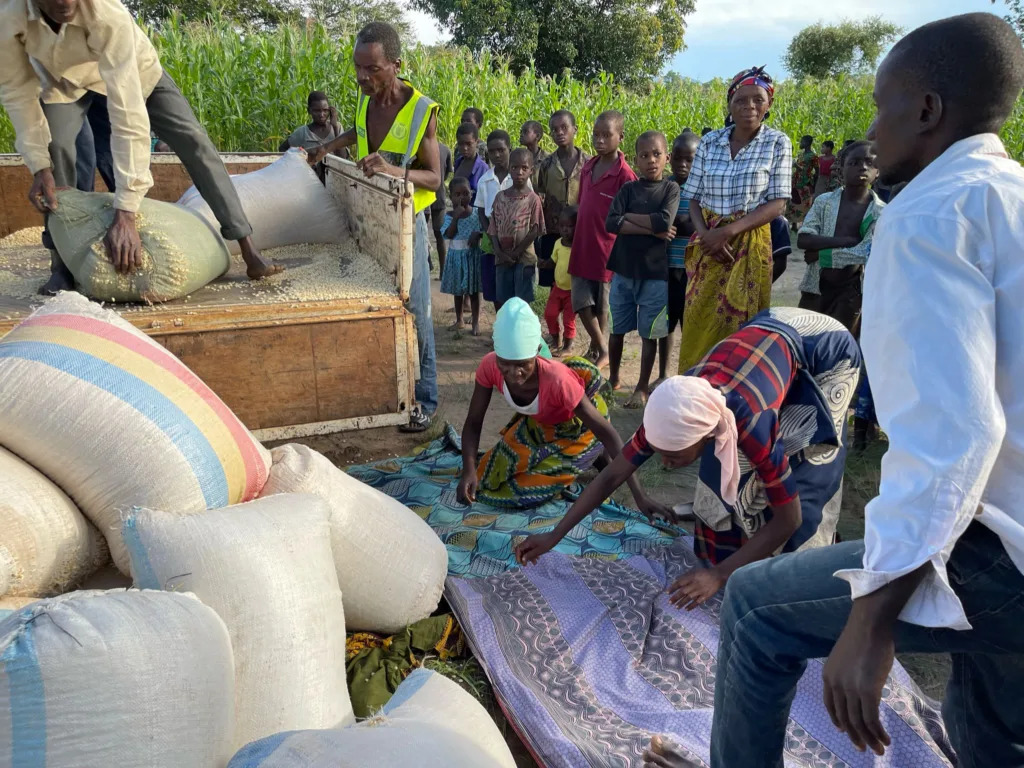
(685,409)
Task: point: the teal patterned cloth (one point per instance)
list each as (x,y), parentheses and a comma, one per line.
(480,538)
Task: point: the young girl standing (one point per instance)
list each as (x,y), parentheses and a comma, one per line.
(461,276)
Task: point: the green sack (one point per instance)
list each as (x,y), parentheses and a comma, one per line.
(180,251)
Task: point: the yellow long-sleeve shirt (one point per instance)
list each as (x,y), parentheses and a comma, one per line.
(101,49)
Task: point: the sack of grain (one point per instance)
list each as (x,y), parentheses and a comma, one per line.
(117,421)
(180,252)
(430,722)
(391,565)
(115,678)
(9,605)
(266,568)
(285,203)
(46,546)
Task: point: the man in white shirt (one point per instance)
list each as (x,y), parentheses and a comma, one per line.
(939,569)
(57,57)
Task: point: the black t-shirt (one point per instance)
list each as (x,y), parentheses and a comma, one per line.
(643,257)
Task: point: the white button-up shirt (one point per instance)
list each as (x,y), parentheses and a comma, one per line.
(943,339)
(101,49)
(761,172)
(488,188)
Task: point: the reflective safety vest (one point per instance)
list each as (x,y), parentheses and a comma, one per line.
(403,140)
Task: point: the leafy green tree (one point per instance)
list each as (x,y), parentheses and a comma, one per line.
(1016,16)
(344,18)
(848,48)
(263,14)
(629,39)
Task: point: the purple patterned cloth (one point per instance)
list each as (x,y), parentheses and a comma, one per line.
(588,659)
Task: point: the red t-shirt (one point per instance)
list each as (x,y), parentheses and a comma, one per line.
(592,244)
(825,164)
(561,390)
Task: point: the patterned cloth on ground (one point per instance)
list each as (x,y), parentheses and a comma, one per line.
(588,659)
(481,538)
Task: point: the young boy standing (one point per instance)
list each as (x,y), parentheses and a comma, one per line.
(684,150)
(476,117)
(560,298)
(837,234)
(602,178)
(529,136)
(517,219)
(643,216)
(558,183)
(492,183)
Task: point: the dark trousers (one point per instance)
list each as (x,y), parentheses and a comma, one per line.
(92,148)
(172,119)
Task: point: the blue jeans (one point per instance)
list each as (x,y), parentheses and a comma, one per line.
(419,305)
(780,612)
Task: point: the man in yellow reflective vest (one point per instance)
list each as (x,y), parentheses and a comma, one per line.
(396,133)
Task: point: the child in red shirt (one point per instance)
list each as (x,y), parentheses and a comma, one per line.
(603,177)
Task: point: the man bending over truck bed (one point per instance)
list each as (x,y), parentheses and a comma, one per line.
(56,58)
(396,130)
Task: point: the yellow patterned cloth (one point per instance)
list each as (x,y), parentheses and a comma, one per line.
(721,297)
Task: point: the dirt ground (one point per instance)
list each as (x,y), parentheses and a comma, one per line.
(457,356)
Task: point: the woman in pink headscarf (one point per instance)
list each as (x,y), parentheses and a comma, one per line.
(765,412)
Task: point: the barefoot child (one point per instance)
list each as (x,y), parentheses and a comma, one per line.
(602,178)
(558,183)
(516,220)
(684,150)
(560,298)
(461,276)
(643,216)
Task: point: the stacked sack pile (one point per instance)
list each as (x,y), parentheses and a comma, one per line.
(248,567)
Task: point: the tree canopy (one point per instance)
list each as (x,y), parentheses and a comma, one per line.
(1016,16)
(630,39)
(846,48)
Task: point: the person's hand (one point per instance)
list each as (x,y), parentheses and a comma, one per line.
(475,238)
(530,550)
(373,164)
(853,679)
(714,239)
(317,154)
(811,257)
(723,255)
(669,234)
(124,248)
(655,510)
(466,492)
(334,116)
(546,264)
(43,193)
(695,588)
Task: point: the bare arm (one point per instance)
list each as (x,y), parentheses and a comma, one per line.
(604,485)
(471,442)
(785,521)
(347,139)
(605,432)
(284,146)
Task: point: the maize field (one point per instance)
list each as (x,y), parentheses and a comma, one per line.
(249,90)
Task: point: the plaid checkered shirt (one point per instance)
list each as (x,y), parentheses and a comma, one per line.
(761,172)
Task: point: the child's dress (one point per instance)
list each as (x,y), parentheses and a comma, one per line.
(462,265)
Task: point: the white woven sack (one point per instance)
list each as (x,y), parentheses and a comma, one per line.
(266,568)
(391,565)
(430,722)
(122,678)
(285,203)
(116,421)
(46,545)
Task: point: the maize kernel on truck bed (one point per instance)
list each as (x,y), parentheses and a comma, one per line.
(313,351)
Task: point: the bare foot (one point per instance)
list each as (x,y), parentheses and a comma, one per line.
(456,326)
(657,384)
(615,386)
(603,361)
(60,280)
(476,330)
(665,754)
(636,401)
(256,266)
(566,347)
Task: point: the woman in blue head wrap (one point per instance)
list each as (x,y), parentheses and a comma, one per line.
(560,427)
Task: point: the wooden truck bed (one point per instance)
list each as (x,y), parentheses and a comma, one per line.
(327,346)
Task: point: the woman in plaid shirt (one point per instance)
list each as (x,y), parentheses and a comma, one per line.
(765,412)
(739,182)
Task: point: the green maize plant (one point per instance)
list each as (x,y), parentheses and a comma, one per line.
(248,88)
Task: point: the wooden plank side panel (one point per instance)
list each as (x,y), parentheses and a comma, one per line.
(297,374)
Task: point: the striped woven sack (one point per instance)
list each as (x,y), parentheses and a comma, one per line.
(117,421)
